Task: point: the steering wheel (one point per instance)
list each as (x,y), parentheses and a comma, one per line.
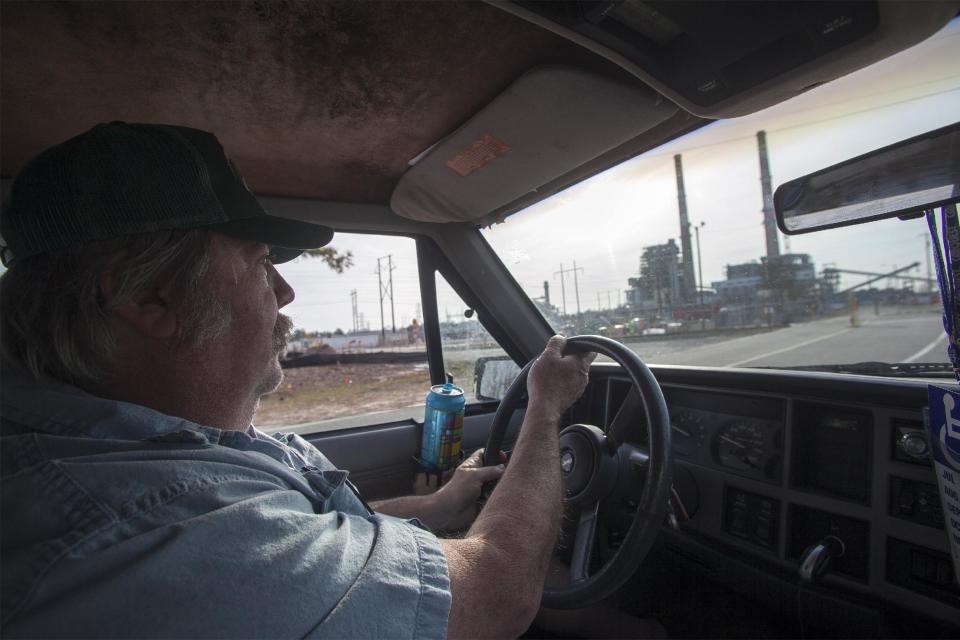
(599,469)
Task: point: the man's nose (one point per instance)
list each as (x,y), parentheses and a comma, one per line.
(282,289)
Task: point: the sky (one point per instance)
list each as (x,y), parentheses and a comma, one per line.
(910,93)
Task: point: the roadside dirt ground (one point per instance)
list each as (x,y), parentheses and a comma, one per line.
(308,394)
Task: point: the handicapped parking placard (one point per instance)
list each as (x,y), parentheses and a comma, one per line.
(944,435)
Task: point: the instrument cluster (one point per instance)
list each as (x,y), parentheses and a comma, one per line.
(740,435)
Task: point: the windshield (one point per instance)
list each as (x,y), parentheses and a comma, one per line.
(670,253)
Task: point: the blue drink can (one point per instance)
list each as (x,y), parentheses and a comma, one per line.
(442,427)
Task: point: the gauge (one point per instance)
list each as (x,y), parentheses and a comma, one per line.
(688,431)
(741,445)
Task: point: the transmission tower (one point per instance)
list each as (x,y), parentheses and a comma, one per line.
(386,291)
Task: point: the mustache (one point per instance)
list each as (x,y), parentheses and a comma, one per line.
(280,332)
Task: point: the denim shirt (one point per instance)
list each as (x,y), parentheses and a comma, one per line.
(120,521)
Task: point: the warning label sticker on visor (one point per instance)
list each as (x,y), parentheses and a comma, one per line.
(479,154)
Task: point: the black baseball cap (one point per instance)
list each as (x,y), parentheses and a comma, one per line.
(122,178)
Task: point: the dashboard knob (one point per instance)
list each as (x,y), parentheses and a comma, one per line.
(816,560)
(914,444)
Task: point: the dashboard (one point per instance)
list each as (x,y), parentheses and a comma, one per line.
(767,467)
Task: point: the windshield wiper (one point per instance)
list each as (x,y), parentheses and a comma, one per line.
(896,370)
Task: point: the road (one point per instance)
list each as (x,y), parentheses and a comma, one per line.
(888,337)
(895,335)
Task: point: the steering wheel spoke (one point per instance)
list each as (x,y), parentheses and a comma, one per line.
(626,424)
(583,542)
(634,464)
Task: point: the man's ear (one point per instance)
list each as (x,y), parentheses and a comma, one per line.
(151,314)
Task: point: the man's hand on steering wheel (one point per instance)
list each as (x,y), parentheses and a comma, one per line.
(456,503)
(555,381)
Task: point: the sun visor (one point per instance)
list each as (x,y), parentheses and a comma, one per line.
(547,123)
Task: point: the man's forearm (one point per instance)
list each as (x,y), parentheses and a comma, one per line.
(506,552)
(424,508)
(497,571)
(528,496)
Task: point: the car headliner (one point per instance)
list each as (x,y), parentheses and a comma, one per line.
(321,101)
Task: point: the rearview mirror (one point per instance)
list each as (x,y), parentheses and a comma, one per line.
(901,180)
(493,376)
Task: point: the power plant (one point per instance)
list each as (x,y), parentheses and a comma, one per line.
(775,289)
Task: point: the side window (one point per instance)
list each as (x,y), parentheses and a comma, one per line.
(357,354)
(467,345)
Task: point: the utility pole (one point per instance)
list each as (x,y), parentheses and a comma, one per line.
(576,286)
(393,318)
(383,333)
(386,290)
(353,303)
(926,238)
(607,294)
(563,288)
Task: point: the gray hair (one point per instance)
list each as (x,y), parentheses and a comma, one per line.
(57,323)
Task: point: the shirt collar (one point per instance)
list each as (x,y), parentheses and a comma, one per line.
(50,406)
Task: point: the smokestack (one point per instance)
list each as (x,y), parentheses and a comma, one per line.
(769,216)
(686,264)
(546,294)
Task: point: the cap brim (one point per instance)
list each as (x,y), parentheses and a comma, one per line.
(287,238)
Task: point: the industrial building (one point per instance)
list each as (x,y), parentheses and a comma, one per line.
(776,288)
(661,284)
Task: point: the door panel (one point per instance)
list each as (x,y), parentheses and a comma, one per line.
(381,459)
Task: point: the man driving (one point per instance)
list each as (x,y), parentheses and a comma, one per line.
(141,325)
